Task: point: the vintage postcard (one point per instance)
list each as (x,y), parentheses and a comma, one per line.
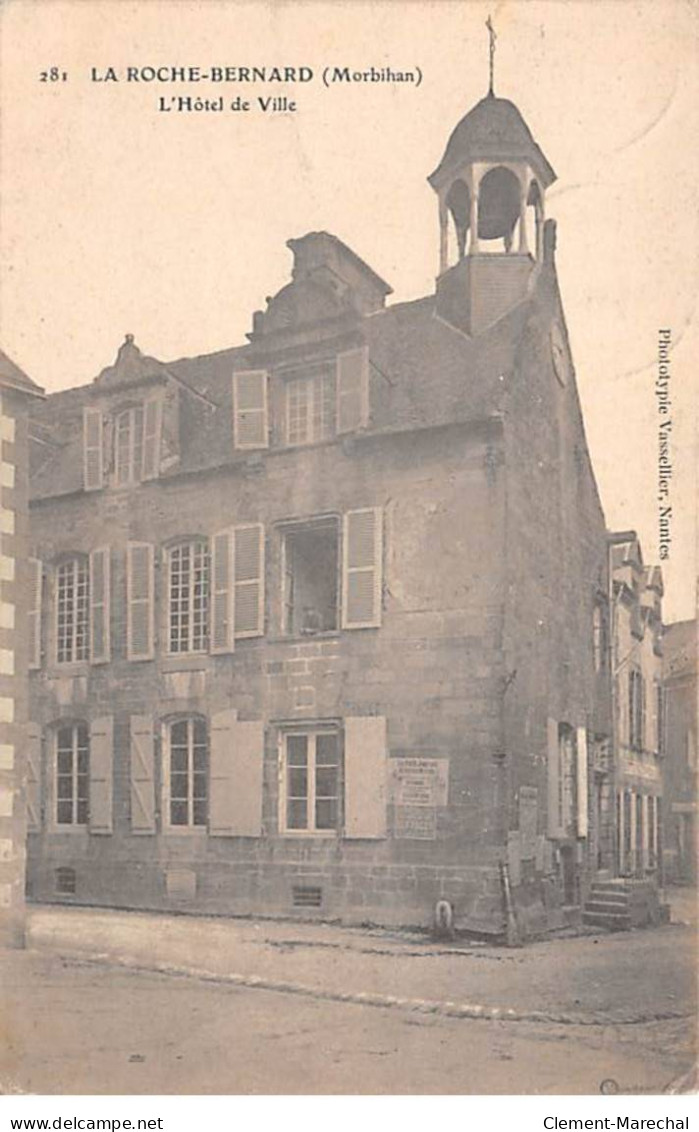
(348,657)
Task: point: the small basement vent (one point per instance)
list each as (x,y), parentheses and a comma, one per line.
(65,881)
(307,896)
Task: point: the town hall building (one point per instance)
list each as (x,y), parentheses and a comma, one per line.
(316,619)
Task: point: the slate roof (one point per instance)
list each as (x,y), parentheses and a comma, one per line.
(424,373)
(12,377)
(493,129)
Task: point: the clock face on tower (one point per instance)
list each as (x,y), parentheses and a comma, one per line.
(559,354)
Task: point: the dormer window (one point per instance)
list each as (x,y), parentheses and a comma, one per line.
(311,412)
(128,445)
(136,430)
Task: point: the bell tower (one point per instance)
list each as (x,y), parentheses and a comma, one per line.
(490,186)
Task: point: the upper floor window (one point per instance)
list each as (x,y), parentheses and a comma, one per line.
(187,755)
(72,774)
(188,597)
(312,782)
(73,611)
(636,709)
(136,442)
(599,637)
(128,445)
(311,564)
(311,408)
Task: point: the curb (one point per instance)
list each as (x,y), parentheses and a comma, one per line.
(472,1011)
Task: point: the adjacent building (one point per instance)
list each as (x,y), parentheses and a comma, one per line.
(318,620)
(637,660)
(680,749)
(17,391)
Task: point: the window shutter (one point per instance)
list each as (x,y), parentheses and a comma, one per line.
(33,794)
(101,746)
(222,592)
(34,631)
(250,409)
(100,582)
(150,457)
(93,455)
(581,773)
(352,390)
(249,573)
(235,776)
(362,582)
(642,699)
(365,776)
(140,602)
(142,775)
(554,780)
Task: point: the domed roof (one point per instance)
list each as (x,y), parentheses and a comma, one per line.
(493,129)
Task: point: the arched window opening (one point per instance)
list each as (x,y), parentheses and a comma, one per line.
(535,220)
(73,610)
(459,205)
(188,597)
(186,771)
(499,206)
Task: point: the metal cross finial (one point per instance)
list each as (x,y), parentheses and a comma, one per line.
(493,37)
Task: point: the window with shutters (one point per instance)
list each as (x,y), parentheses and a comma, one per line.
(72,774)
(310,583)
(312,782)
(186,772)
(188,597)
(659,718)
(137,443)
(73,610)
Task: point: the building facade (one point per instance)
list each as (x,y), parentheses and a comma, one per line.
(639,708)
(680,749)
(16,392)
(316,619)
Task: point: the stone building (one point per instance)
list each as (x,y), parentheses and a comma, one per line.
(316,615)
(638,705)
(680,751)
(16,392)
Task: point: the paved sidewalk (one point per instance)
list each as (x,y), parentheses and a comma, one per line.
(625,978)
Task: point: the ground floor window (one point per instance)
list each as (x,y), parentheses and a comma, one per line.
(72,774)
(187,757)
(312,781)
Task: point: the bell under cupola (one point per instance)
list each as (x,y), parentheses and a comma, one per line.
(490,186)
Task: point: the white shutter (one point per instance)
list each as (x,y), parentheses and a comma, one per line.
(152,423)
(362,579)
(140,601)
(100,583)
(554,816)
(250,428)
(366,765)
(142,775)
(235,776)
(222,592)
(352,390)
(33,794)
(101,759)
(93,455)
(249,572)
(34,630)
(581,776)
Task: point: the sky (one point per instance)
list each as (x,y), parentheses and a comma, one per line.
(117,217)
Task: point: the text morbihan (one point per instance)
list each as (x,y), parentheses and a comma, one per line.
(621,1123)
